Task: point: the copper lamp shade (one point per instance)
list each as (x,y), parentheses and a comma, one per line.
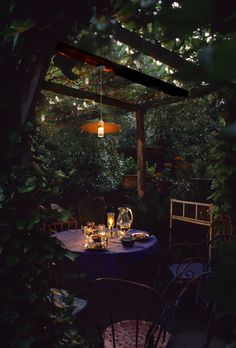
(92,127)
(100,128)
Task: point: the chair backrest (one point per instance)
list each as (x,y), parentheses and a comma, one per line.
(59,225)
(92,208)
(192,267)
(117,300)
(190,226)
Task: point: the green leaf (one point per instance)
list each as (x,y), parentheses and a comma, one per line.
(170,44)
(19,26)
(34,219)
(38,169)
(60,174)
(29,186)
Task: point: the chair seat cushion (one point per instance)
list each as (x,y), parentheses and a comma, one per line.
(125,335)
(188,271)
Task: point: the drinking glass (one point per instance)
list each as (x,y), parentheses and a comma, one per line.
(91,224)
(101,228)
(123,228)
(124,220)
(88,231)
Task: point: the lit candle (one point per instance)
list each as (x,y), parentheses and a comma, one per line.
(110,222)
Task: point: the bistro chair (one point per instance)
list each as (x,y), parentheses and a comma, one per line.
(129,314)
(59,225)
(204,253)
(190,233)
(65,273)
(92,208)
(193,299)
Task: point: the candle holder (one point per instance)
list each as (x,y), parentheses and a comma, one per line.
(111,224)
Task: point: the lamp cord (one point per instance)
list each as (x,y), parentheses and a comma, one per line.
(101,93)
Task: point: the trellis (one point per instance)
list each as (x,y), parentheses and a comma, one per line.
(139,109)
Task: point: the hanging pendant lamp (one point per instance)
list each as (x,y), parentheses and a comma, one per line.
(100,128)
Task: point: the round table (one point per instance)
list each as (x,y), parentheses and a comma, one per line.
(137,263)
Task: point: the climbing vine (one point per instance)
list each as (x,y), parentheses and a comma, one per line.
(223,173)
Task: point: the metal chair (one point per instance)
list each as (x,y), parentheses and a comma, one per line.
(59,225)
(189,260)
(129,314)
(92,208)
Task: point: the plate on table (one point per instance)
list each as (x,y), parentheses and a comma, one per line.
(96,247)
(141,236)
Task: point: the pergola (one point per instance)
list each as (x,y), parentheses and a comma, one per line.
(139,109)
(25,77)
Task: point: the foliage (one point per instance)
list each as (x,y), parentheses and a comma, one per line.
(190,29)
(223,172)
(130,166)
(28,255)
(72,150)
(223,284)
(186,142)
(221,288)
(94,165)
(67,306)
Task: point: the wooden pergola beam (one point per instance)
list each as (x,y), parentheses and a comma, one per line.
(140,142)
(120,70)
(79,93)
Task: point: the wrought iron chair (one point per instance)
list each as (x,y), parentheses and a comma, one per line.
(201,309)
(59,225)
(129,314)
(189,260)
(191,254)
(92,208)
(190,232)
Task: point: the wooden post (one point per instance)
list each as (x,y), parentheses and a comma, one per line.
(141,164)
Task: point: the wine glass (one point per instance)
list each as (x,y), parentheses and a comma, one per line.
(88,231)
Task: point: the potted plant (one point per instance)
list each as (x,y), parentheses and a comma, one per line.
(130,177)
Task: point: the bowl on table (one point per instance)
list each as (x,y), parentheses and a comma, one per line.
(140,236)
(127,241)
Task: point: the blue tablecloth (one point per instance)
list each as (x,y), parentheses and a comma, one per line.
(138,263)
